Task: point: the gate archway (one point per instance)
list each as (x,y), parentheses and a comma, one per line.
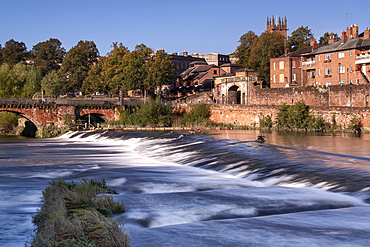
(234,95)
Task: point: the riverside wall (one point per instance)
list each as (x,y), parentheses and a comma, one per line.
(345,96)
(251,115)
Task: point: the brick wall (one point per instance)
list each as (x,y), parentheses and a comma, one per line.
(345,95)
(251,115)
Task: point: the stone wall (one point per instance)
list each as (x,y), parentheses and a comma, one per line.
(252,115)
(346,96)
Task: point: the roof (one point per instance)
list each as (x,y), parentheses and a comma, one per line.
(203,68)
(291,54)
(338,46)
(202,61)
(245,70)
(229,65)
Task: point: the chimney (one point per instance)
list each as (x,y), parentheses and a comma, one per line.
(313,43)
(367,33)
(343,39)
(185,54)
(355,31)
(286,51)
(331,39)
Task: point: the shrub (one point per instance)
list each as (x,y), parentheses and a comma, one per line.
(198,116)
(266,122)
(355,125)
(154,113)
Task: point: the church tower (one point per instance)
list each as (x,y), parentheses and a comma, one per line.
(280,27)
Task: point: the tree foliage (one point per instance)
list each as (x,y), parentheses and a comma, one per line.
(19,81)
(48,55)
(267,46)
(14,52)
(243,51)
(52,84)
(300,38)
(324,40)
(77,63)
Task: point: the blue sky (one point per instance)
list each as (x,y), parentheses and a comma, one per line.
(202,26)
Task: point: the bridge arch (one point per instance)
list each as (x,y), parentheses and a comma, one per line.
(22,114)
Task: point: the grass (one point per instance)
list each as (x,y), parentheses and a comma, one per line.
(78,215)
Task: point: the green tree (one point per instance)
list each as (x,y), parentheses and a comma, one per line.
(19,81)
(48,55)
(324,40)
(243,51)
(300,38)
(136,70)
(77,63)
(108,74)
(161,71)
(1,55)
(52,84)
(267,46)
(14,52)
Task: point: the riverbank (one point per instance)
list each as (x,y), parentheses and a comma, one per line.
(78,215)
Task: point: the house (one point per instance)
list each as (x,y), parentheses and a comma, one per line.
(343,62)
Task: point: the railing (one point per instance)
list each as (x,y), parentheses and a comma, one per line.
(308,64)
(363,56)
(68,101)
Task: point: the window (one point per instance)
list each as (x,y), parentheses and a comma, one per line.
(341,54)
(274,66)
(341,69)
(357,81)
(351,68)
(342,82)
(281,65)
(207,58)
(312,73)
(213,58)
(319,58)
(294,77)
(327,71)
(293,64)
(328,83)
(327,56)
(319,71)
(350,53)
(274,78)
(215,72)
(281,78)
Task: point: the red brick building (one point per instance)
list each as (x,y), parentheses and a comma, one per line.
(343,62)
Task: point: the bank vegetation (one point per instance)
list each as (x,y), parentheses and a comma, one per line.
(75,214)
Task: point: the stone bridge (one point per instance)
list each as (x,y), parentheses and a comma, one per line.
(45,114)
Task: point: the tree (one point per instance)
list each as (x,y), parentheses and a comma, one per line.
(267,46)
(107,75)
(324,40)
(76,64)
(243,51)
(1,55)
(161,71)
(300,38)
(48,55)
(52,84)
(14,52)
(136,70)
(19,81)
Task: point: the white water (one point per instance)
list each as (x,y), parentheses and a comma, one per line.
(190,192)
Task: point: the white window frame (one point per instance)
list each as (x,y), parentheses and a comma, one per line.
(294,77)
(328,83)
(327,56)
(274,66)
(281,65)
(342,82)
(281,76)
(341,54)
(342,69)
(274,78)
(319,58)
(350,53)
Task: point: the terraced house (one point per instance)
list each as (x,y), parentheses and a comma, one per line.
(344,62)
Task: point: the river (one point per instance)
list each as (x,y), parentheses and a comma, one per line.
(220,189)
